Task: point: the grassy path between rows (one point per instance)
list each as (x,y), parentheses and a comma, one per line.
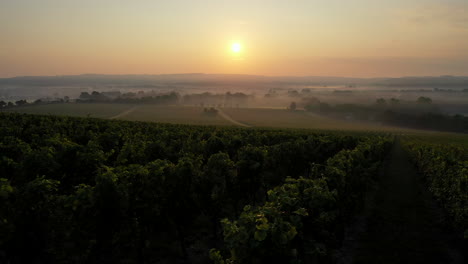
(405,225)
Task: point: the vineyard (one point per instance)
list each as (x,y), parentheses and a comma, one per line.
(445,168)
(85,190)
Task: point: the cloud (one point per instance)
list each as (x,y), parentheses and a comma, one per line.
(449,17)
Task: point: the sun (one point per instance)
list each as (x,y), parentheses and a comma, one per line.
(236,47)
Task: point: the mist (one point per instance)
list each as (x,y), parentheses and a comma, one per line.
(366,103)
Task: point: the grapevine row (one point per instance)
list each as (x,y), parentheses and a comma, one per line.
(445,168)
(303,219)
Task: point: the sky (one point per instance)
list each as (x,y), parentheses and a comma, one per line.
(353,38)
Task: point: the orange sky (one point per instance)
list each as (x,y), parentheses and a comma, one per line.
(361,38)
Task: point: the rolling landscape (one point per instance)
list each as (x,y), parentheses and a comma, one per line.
(234,132)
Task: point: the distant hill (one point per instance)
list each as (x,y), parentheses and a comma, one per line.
(457,81)
(228,79)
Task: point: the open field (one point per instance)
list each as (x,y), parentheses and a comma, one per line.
(82,110)
(255,117)
(281,118)
(251,117)
(174,114)
(149,113)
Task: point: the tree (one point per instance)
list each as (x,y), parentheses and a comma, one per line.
(424,100)
(293,93)
(98,96)
(84,95)
(381,101)
(21,102)
(394,101)
(2,104)
(293,106)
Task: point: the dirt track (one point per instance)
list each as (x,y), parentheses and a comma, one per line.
(228,118)
(124,113)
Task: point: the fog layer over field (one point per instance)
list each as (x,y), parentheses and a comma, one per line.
(436,103)
(447,91)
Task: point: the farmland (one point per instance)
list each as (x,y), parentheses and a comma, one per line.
(234,132)
(264,151)
(83,110)
(254,117)
(281,118)
(153,192)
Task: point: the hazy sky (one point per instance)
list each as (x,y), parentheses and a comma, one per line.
(290,37)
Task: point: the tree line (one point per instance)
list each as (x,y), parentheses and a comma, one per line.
(420,114)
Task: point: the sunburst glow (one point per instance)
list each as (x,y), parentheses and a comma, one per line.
(236,47)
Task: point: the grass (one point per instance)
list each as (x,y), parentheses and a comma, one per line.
(255,117)
(174,114)
(281,118)
(149,113)
(92,110)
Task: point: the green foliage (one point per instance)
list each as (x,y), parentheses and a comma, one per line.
(84,190)
(424,100)
(445,168)
(5,188)
(6,225)
(381,101)
(220,175)
(304,216)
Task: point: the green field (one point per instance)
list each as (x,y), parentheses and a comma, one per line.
(251,117)
(173,114)
(150,113)
(254,117)
(280,118)
(82,110)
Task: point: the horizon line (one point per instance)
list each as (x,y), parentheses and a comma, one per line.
(233,74)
